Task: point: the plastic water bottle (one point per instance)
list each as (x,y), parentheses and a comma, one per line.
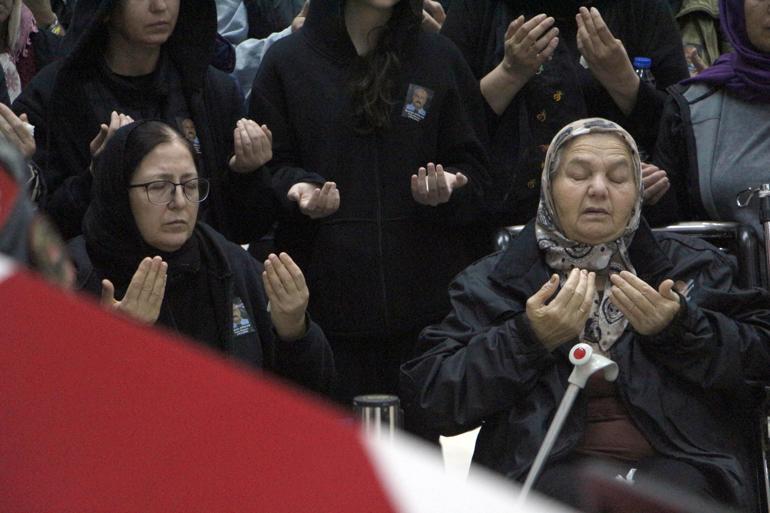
(643,68)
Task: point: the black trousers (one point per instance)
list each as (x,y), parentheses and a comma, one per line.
(562,480)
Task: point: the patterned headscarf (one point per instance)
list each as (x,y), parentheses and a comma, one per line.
(606,323)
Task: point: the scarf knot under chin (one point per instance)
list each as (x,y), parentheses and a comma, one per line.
(605,323)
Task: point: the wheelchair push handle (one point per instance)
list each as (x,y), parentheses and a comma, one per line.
(743,199)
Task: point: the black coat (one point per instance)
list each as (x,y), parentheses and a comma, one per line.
(683,388)
(381,263)
(647,29)
(307,361)
(60,104)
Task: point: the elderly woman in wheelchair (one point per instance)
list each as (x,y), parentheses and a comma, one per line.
(588,269)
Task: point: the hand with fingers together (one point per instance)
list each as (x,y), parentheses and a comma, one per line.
(17,131)
(105,132)
(564,318)
(433,186)
(144,294)
(656,183)
(313,201)
(648,310)
(607,58)
(253,146)
(529,44)
(288,295)
(433,16)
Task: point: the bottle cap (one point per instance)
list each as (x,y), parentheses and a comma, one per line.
(642,63)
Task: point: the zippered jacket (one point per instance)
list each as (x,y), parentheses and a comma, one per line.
(683,388)
(382,262)
(250,339)
(69,99)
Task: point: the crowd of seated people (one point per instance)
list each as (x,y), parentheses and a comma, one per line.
(383,141)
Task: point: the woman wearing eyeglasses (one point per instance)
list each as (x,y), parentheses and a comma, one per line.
(142,243)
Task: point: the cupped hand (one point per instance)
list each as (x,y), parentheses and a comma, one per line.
(252,146)
(656,183)
(648,310)
(17,131)
(288,295)
(433,16)
(433,186)
(144,294)
(529,44)
(564,318)
(98,143)
(299,20)
(313,201)
(606,56)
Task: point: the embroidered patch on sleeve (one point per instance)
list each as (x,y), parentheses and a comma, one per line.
(417,102)
(242,324)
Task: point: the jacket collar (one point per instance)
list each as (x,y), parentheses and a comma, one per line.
(522,268)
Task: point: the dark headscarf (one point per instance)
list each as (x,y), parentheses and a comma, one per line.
(112,238)
(744,72)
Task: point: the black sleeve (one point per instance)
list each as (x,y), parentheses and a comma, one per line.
(722,337)
(671,155)
(68,191)
(476,363)
(307,361)
(462,27)
(462,143)
(268,105)
(250,205)
(656,36)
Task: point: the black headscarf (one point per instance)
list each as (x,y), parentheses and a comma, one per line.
(112,238)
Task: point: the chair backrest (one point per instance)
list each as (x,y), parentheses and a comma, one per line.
(736,239)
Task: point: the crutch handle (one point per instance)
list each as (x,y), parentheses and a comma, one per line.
(587,363)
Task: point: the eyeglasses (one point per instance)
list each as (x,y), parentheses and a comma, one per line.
(161,192)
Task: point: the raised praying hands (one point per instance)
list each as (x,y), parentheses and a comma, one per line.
(98,143)
(253,146)
(144,294)
(648,310)
(529,44)
(607,58)
(564,318)
(433,186)
(314,201)
(288,295)
(17,131)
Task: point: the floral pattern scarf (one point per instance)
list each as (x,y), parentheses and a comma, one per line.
(606,323)
(17,45)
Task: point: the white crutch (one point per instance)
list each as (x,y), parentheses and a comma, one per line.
(586,363)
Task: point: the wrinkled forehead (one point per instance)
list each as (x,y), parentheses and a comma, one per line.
(595,144)
(591,147)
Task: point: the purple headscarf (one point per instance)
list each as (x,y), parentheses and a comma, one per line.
(745,72)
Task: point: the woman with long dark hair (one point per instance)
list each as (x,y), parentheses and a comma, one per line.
(380,169)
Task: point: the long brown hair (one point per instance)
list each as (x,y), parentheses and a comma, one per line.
(373,81)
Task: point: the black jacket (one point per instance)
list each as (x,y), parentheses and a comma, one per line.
(64,99)
(381,263)
(307,361)
(646,28)
(683,388)
(269,16)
